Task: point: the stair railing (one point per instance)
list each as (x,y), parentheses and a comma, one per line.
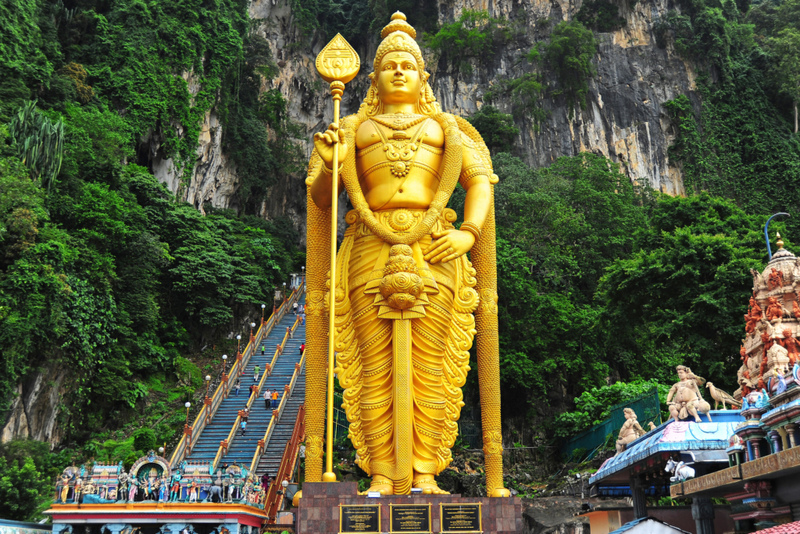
(288,390)
(274,497)
(225,445)
(192,433)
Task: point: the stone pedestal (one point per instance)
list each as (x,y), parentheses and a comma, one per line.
(318,510)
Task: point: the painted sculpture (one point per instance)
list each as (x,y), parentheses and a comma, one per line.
(680,471)
(720,396)
(770,348)
(684,398)
(631,430)
(405,292)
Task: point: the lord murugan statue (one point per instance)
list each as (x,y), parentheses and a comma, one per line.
(408,301)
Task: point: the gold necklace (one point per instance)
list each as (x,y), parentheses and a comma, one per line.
(399,122)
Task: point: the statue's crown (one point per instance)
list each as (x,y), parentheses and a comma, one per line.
(399,24)
(399,35)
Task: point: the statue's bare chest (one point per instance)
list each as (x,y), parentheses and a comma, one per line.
(399,158)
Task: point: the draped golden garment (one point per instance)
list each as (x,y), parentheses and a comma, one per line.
(440,341)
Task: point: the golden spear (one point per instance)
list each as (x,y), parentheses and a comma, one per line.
(337,64)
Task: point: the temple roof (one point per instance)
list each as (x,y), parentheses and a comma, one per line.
(630,527)
(787,528)
(699,443)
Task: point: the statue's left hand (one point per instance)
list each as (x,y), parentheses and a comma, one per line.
(449,245)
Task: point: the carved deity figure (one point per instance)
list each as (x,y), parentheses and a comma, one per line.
(64,488)
(405,291)
(792,346)
(753,316)
(774,309)
(775,279)
(684,398)
(631,430)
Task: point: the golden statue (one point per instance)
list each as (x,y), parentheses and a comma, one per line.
(405,292)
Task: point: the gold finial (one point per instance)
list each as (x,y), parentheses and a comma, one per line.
(399,24)
(338,61)
(780,241)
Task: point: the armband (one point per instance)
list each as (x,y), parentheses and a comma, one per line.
(473,172)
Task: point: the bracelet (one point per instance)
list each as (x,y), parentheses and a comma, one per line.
(472,228)
(330,171)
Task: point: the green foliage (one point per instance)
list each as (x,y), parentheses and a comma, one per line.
(786,65)
(27,475)
(144,439)
(261,138)
(569,54)
(100,142)
(679,298)
(593,406)
(601,16)
(39,143)
(187,372)
(329,17)
(142,56)
(474,36)
(525,91)
(558,229)
(496,128)
(745,150)
(23,54)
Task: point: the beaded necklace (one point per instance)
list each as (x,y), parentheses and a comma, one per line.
(399,122)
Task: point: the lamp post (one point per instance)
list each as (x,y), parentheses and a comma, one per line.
(238,345)
(262,313)
(161,451)
(188,405)
(303,280)
(284,292)
(252,337)
(208,383)
(224,359)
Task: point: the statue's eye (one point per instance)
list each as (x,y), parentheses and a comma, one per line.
(409,66)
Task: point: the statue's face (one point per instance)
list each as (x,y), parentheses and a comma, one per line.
(681,374)
(399,80)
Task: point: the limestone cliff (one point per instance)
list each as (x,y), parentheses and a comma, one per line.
(623,119)
(36,407)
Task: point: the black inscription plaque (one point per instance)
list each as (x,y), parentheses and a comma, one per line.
(409,518)
(460,518)
(364,518)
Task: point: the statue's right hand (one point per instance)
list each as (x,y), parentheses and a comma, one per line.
(325,141)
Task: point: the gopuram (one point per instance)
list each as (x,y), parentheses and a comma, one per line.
(407,302)
(762,481)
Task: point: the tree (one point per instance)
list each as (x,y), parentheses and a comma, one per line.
(496,128)
(786,50)
(27,477)
(680,296)
(569,54)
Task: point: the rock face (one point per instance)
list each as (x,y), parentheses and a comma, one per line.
(34,412)
(623,120)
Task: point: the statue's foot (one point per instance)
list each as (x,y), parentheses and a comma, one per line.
(382,485)
(428,485)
